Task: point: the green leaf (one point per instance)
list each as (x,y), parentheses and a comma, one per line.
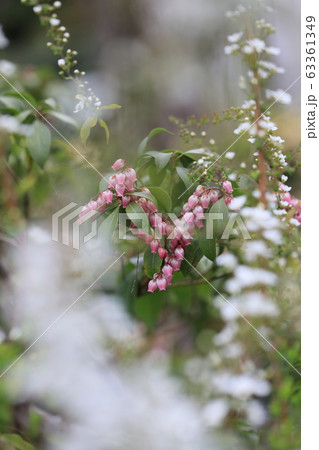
(148,307)
(13,103)
(39,142)
(24,96)
(208,247)
(86,128)
(106,128)
(112,106)
(152,262)
(137,215)
(183,174)
(107,229)
(152,133)
(145,195)
(14,442)
(163,199)
(215,224)
(193,255)
(162,159)
(62,117)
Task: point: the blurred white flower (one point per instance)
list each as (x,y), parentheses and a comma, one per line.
(4,42)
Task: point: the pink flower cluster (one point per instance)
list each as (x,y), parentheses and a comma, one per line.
(118,185)
(181,232)
(175,235)
(288,202)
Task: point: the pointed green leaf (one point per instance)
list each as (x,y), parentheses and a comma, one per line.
(163,199)
(86,128)
(152,262)
(106,128)
(216,223)
(62,117)
(162,159)
(152,133)
(39,142)
(113,106)
(208,247)
(183,174)
(106,231)
(137,215)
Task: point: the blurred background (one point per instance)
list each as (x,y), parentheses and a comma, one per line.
(156,59)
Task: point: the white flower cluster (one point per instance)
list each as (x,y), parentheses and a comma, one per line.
(74,369)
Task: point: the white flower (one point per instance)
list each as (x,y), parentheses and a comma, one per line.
(279,96)
(227,260)
(4,42)
(295,222)
(237,203)
(252,45)
(284,178)
(273,51)
(229,49)
(243,164)
(242,127)
(57,4)
(79,106)
(232,176)
(37,9)
(279,212)
(215,412)
(251,304)
(251,140)
(212,141)
(7,68)
(273,236)
(61,62)
(235,37)
(245,276)
(277,139)
(230,155)
(253,249)
(10,124)
(249,104)
(241,386)
(54,21)
(271,67)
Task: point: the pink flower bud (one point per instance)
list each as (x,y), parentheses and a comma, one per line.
(162,252)
(175,263)
(228,187)
(131,174)
(119,163)
(129,185)
(162,228)
(144,189)
(189,230)
(186,208)
(140,233)
(120,178)
(169,229)
(179,253)
(148,239)
(198,223)
(200,190)
(92,205)
(205,200)
(112,182)
(169,280)
(125,200)
(198,212)
(152,286)
(228,198)
(120,189)
(185,241)
(192,201)
(155,219)
(151,206)
(154,246)
(161,283)
(107,196)
(188,217)
(167,270)
(143,202)
(213,195)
